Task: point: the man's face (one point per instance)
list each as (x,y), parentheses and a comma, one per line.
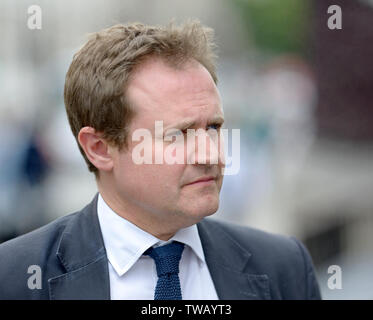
(159,92)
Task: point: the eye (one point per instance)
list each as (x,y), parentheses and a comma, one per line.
(177,133)
(216,125)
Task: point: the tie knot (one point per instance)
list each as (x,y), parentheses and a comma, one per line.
(166,257)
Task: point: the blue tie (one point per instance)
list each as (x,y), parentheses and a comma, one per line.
(167,260)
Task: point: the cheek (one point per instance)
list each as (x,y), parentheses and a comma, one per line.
(163,176)
(160,185)
(151,181)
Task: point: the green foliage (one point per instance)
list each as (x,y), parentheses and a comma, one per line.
(278,26)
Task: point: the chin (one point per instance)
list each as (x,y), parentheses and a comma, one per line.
(191,216)
(195,209)
(205,210)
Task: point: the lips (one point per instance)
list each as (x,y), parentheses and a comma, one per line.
(203,179)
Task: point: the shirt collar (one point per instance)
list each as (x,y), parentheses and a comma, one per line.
(125,242)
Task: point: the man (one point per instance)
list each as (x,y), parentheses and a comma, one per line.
(145,235)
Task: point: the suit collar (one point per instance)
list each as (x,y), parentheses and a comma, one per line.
(82,253)
(229,264)
(78,247)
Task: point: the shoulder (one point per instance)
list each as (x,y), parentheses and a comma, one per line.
(283,258)
(36,238)
(255,240)
(18,257)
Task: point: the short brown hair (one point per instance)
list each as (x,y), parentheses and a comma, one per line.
(97,78)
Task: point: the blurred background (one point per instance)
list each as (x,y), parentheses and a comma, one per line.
(301,94)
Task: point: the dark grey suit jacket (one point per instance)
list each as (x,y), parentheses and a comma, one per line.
(244,263)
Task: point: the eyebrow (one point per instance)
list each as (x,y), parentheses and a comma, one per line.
(187,123)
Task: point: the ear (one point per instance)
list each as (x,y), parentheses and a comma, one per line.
(96,148)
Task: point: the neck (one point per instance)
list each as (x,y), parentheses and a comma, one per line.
(146,221)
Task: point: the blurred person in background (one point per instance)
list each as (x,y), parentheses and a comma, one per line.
(145,234)
(24,167)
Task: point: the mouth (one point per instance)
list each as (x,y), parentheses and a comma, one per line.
(202,182)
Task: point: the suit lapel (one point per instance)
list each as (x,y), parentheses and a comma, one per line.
(229,265)
(82,253)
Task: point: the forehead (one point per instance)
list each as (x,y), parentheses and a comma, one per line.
(161,92)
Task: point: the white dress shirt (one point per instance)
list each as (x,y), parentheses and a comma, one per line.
(133,276)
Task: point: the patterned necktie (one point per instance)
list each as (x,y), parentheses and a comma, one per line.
(167,260)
